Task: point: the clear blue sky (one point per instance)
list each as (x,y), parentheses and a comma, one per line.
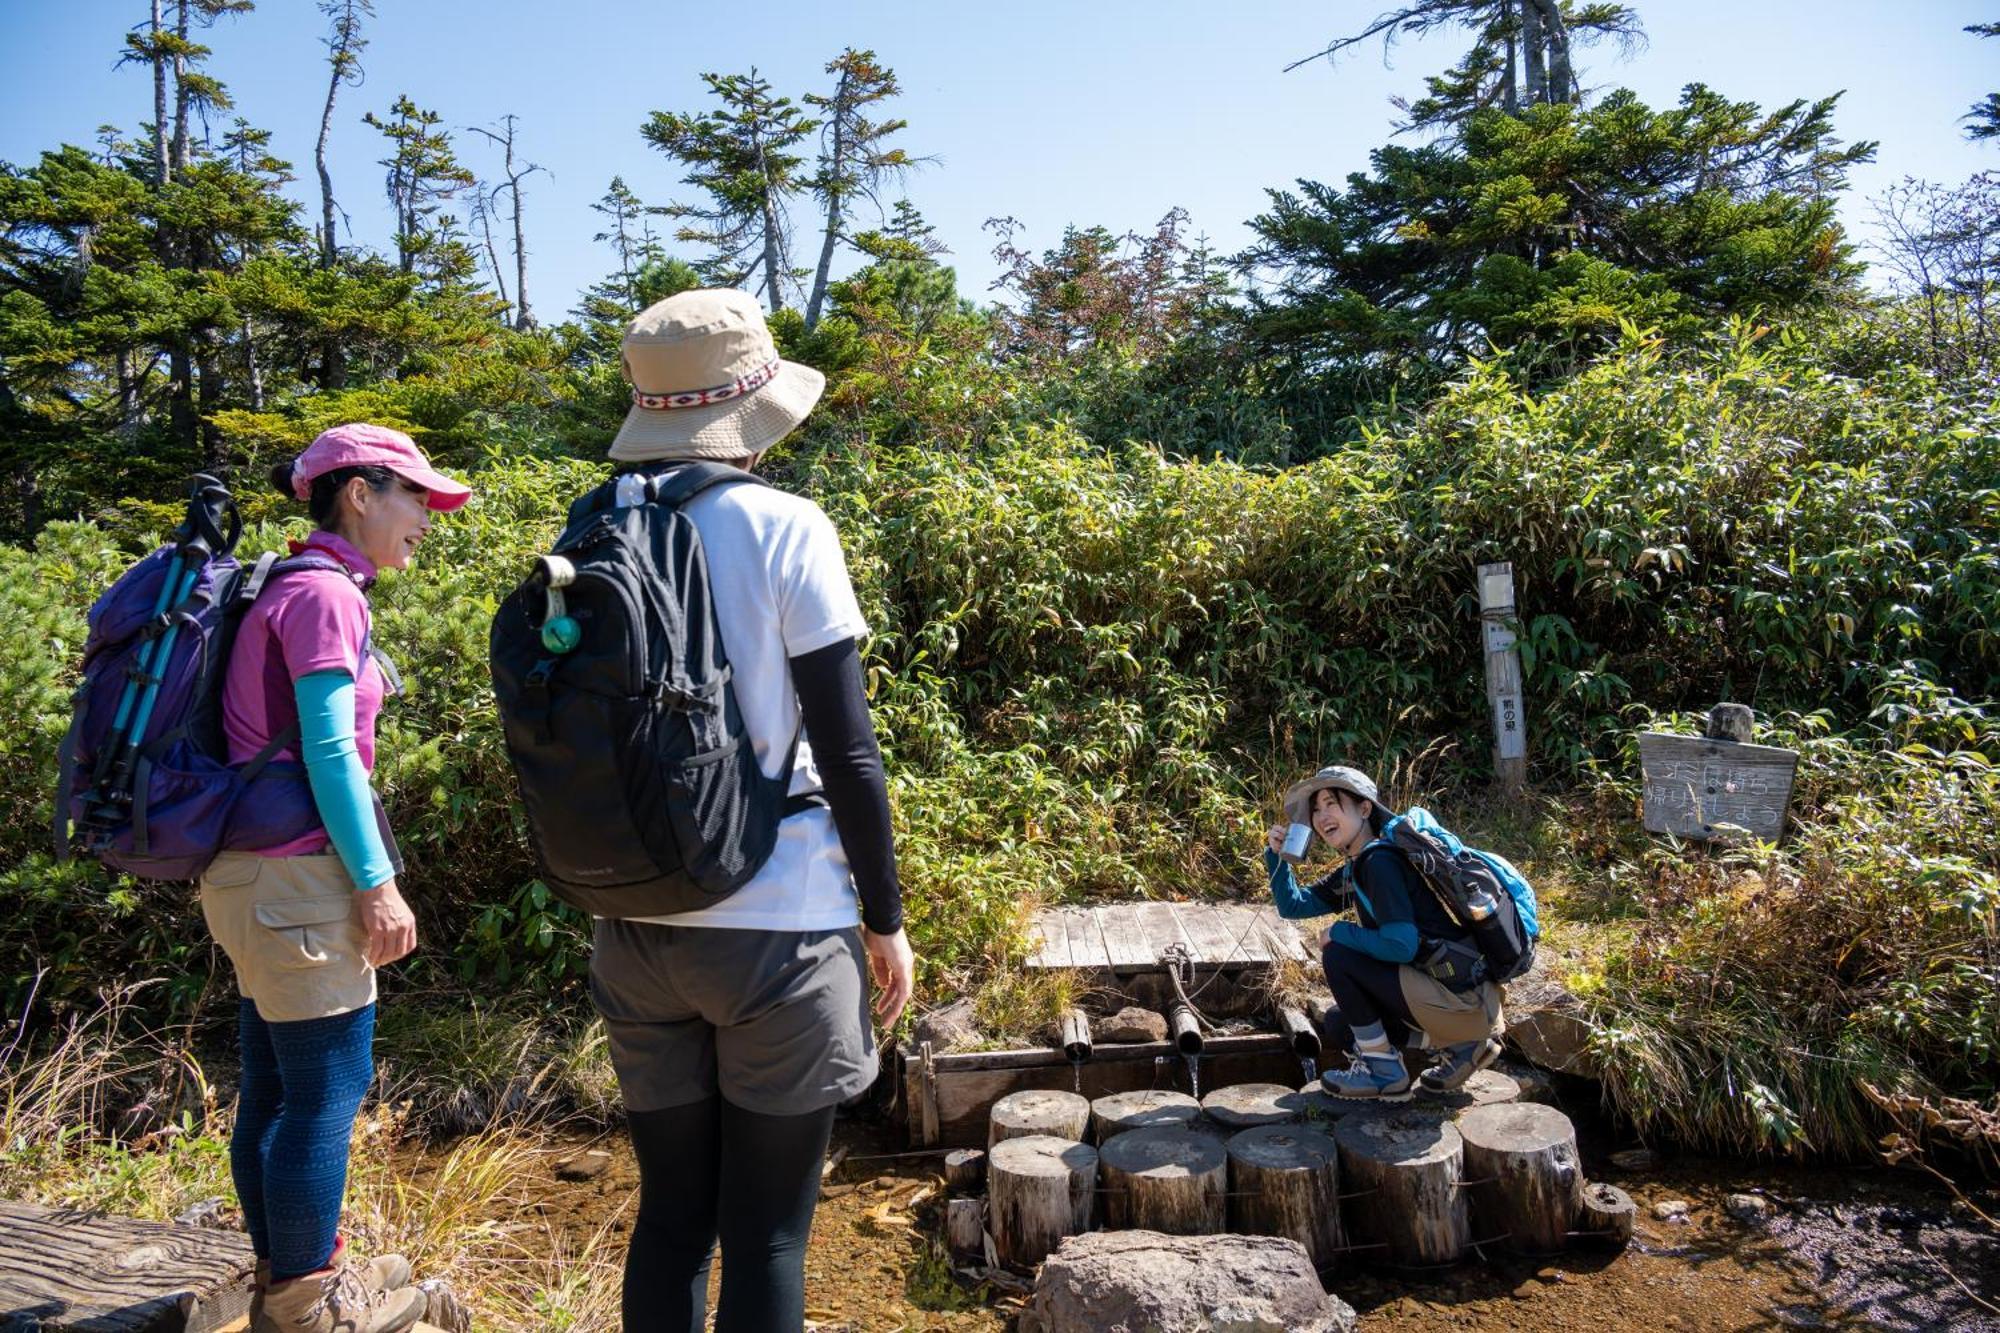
(1052,112)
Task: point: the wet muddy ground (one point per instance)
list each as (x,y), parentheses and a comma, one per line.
(1860,1248)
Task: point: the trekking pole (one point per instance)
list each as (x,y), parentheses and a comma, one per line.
(202,537)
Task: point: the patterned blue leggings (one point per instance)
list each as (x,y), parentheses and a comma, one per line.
(302,1084)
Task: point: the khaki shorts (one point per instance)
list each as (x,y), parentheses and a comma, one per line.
(1448,1016)
(288,925)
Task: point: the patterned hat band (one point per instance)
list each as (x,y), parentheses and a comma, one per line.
(722,393)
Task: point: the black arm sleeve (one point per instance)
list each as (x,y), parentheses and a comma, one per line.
(834,708)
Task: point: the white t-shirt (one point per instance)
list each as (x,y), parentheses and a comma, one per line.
(781,590)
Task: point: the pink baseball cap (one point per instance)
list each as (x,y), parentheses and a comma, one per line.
(359,444)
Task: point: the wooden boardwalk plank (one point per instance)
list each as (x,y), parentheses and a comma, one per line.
(63,1269)
(1162,929)
(1048,942)
(1125,942)
(1210,939)
(1086,941)
(1283,936)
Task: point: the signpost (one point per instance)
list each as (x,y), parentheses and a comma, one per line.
(1503,674)
(1709,787)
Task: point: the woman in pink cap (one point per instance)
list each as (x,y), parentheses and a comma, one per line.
(307,922)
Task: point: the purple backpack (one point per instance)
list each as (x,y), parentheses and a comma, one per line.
(144,781)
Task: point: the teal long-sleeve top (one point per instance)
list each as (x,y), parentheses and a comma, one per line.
(1378,883)
(339,782)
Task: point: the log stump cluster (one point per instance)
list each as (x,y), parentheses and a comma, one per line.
(1412,1185)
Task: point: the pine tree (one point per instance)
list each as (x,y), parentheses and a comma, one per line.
(1541,232)
(1985,116)
(854,160)
(631,238)
(423,174)
(741,156)
(1521,53)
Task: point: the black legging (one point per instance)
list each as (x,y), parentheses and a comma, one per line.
(1367,990)
(709,1170)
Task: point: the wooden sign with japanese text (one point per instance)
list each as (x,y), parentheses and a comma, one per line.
(1695,786)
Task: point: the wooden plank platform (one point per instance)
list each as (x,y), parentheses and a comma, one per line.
(1128,938)
(62,1269)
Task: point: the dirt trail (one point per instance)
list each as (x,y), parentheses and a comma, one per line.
(1855,1248)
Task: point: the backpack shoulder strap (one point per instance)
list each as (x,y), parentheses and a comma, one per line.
(676,487)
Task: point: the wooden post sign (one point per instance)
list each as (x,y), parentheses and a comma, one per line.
(1503,674)
(1707,787)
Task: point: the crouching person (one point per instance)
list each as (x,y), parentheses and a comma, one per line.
(1386,998)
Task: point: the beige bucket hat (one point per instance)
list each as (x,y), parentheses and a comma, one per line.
(707,381)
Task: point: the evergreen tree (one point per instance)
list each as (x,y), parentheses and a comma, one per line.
(1985,116)
(629,232)
(741,156)
(1544,231)
(1521,55)
(854,159)
(423,174)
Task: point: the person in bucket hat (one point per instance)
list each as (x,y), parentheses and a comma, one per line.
(1385,1002)
(308,911)
(738,1029)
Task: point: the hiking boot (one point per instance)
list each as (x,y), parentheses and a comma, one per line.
(1457,1063)
(1368,1076)
(385,1272)
(336,1300)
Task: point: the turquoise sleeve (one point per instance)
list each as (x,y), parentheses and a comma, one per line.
(339,782)
(1294,901)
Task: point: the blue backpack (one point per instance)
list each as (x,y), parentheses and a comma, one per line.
(1480,890)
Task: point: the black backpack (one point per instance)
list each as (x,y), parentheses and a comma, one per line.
(642,789)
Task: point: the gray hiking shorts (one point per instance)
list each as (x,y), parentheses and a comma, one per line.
(775,1020)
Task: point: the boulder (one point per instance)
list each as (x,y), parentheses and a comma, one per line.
(1546,1023)
(1132,1024)
(950,1027)
(1751,1208)
(1107,1281)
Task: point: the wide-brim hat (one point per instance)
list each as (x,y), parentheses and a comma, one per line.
(707,380)
(1334,777)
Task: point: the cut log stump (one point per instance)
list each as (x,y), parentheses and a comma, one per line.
(965,1227)
(1039,1189)
(1284,1180)
(1157,1109)
(964,1170)
(1526,1182)
(1400,1174)
(62,1269)
(1060,1115)
(1604,1222)
(1170,1180)
(1250,1104)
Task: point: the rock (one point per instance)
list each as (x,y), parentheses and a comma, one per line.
(1635,1159)
(1132,1024)
(1546,1023)
(207,1213)
(584,1166)
(1751,1208)
(1183,1284)
(950,1027)
(1671,1210)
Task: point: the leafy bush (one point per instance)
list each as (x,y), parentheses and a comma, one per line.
(1093,668)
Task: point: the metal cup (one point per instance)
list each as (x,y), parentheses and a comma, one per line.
(1297,838)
